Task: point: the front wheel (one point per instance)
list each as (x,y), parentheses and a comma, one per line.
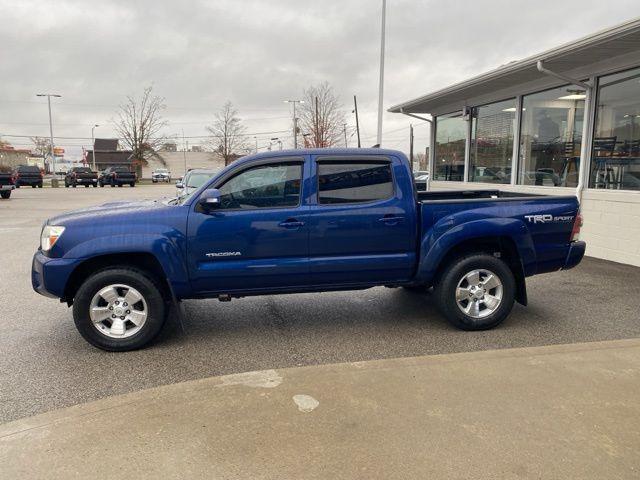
(476,292)
(119,309)
(40,185)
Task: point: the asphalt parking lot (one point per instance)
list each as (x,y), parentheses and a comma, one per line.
(45,364)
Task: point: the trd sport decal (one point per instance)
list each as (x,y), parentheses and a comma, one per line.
(547,217)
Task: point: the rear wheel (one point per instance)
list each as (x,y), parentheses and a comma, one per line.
(86,185)
(119,185)
(5,194)
(33,186)
(119,309)
(476,292)
(132,184)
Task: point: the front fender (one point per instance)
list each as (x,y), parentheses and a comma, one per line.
(166,250)
(439,241)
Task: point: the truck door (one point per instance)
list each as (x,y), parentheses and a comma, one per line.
(362,226)
(258,237)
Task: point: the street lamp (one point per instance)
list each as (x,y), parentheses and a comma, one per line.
(93,147)
(295,121)
(53,157)
(381,81)
(256,139)
(279,142)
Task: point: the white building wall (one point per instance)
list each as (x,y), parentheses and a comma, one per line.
(611,219)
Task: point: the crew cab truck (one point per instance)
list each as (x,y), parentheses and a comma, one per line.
(302,221)
(24,175)
(6,184)
(80,176)
(117,176)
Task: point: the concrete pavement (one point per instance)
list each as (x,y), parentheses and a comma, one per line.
(564,411)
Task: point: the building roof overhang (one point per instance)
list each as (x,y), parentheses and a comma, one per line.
(619,41)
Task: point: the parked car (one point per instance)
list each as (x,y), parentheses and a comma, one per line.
(420,179)
(27,175)
(161,175)
(302,221)
(81,176)
(117,176)
(6,184)
(193,180)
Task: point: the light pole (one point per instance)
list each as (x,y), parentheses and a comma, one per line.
(381,81)
(256,139)
(355,110)
(344,129)
(93,146)
(53,157)
(295,121)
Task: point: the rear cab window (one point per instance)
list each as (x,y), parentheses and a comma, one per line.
(354,181)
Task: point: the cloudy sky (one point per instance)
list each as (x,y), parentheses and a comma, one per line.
(199,54)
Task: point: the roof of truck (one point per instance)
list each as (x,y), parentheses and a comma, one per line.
(321,151)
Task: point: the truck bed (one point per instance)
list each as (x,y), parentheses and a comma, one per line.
(448,195)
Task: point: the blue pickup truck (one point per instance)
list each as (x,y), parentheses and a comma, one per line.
(302,221)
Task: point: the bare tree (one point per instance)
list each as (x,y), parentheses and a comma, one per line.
(139,124)
(228,134)
(42,146)
(321,118)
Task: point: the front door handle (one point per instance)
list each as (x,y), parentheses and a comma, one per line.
(291,223)
(391,219)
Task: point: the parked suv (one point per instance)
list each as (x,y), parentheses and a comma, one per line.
(80,176)
(117,176)
(27,175)
(193,180)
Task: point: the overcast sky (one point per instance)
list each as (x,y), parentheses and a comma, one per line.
(198,54)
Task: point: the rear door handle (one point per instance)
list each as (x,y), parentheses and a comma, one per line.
(391,219)
(291,223)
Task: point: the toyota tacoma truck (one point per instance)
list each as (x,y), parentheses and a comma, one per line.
(302,221)
(117,176)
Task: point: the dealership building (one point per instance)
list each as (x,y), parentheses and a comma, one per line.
(565,121)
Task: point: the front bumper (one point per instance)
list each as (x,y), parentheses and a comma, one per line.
(576,252)
(49,276)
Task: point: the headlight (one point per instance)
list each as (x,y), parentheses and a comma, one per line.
(49,237)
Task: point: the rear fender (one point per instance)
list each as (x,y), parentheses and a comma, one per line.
(437,243)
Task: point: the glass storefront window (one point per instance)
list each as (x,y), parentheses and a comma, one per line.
(551,137)
(451,136)
(492,142)
(615,160)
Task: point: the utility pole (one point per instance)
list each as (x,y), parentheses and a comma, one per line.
(295,122)
(344,130)
(184,153)
(256,139)
(317,122)
(93,146)
(53,157)
(355,109)
(381,81)
(411,146)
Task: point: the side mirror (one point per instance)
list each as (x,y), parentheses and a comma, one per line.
(210,198)
(179,185)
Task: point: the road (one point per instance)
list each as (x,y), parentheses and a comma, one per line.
(45,364)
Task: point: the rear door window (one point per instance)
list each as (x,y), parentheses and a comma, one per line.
(354,181)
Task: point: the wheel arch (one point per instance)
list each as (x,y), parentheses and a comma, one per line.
(500,246)
(144,261)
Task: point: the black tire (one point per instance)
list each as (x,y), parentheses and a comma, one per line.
(132,184)
(119,185)
(101,184)
(74,184)
(445,291)
(17,184)
(137,279)
(86,185)
(66,184)
(5,194)
(33,186)
(40,185)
